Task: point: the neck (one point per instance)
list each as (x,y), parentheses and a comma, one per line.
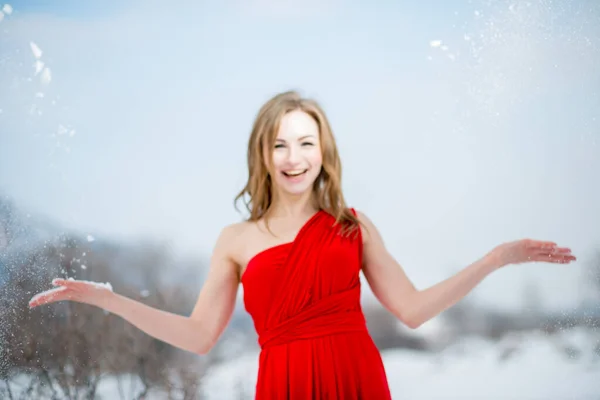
(285,205)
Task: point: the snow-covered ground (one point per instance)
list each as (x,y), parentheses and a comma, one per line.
(529,367)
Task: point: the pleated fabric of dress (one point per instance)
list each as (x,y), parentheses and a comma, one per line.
(304,299)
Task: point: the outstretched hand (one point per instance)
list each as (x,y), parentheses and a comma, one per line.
(68,289)
(529,250)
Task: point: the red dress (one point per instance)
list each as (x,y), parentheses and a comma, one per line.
(304,299)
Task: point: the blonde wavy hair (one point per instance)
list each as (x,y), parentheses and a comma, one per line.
(257,194)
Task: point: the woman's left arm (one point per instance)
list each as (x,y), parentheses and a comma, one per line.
(413,307)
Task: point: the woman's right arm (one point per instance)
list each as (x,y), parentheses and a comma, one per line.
(197,333)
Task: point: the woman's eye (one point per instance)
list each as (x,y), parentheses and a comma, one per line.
(307,144)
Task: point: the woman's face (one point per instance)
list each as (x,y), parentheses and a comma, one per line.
(296,155)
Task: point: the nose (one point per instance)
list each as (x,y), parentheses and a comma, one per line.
(293,155)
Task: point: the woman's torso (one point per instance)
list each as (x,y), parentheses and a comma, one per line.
(303,294)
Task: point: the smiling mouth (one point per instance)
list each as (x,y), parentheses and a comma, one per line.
(292,174)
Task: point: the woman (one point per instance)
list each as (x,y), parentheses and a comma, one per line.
(298,257)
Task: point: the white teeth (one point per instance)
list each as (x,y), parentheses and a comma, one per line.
(295,173)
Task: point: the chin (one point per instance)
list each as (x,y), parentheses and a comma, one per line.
(296,191)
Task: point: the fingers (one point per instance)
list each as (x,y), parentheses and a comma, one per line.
(75,286)
(555,250)
(546,251)
(63,282)
(49,296)
(555,258)
(70,289)
(65,290)
(539,244)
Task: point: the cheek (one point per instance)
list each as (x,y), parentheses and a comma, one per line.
(278,160)
(316,158)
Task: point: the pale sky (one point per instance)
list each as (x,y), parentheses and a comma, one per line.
(459,126)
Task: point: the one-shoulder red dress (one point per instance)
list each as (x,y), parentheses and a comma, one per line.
(304,299)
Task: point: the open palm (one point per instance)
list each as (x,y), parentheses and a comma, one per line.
(529,250)
(75,290)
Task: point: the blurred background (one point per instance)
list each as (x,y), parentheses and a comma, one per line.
(461,125)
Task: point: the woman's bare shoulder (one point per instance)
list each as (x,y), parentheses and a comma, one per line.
(366,226)
(231,233)
(234,237)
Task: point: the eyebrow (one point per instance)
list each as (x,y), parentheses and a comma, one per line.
(300,138)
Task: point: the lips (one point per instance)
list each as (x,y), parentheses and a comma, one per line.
(294,173)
